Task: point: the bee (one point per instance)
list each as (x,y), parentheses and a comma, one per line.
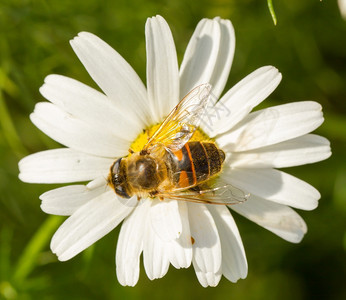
(170,166)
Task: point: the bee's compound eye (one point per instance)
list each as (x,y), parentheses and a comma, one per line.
(116,166)
(117,179)
(121,192)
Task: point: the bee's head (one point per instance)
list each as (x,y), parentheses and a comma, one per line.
(117,178)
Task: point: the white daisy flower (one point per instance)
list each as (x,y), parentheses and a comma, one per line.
(99,128)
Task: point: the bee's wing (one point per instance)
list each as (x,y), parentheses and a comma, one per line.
(217,193)
(182,121)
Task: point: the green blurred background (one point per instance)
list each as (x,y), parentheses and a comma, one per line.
(308,45)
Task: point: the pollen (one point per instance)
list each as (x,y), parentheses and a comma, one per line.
(201,136)
(143,137)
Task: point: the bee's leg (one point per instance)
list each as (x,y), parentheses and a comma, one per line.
(139,198)
(199,188)
(131,151)
(161,198)
(195,189)
(153,194)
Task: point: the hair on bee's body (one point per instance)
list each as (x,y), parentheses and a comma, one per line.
(147,175)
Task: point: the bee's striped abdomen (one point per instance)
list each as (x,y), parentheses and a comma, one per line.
(195,163)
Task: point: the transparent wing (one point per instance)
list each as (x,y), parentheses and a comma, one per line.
(220,193)
(182,121)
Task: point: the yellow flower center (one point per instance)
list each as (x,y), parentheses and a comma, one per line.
(142,138)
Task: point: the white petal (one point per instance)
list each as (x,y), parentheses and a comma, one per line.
(66,200)
(241,99)
(88,224)
(130,245)
(234,264)
(272,125)
(89,105)
(207,278)
(162,68)
(206,242)
(224,59)
(342,8)
(96,183)
(302,150)
(165,219)
(113,75)
(75,133)
(279,219)
(180,250)
(155,256)
(62,165)
(208,57)
(275,186)
(201,56)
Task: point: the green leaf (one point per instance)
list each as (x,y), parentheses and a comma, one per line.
(9,129)
(5,252)
(271,10)
(28,259)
